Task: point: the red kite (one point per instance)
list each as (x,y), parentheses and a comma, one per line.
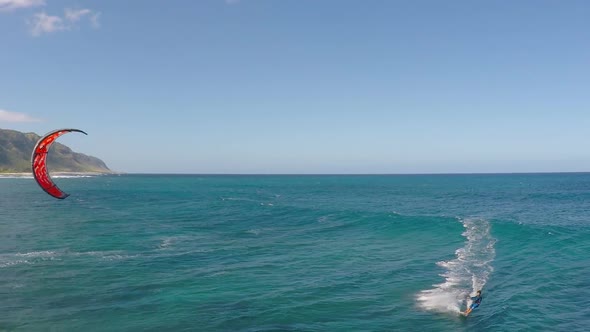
(39,162)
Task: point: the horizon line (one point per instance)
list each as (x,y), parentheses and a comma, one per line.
(346,174)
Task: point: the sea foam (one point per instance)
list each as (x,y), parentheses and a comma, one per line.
(467,273)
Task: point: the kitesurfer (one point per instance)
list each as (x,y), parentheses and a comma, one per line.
(476,302)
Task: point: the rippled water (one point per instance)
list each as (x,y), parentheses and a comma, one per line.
(296,253)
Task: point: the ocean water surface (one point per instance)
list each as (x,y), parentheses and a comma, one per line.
(296,253)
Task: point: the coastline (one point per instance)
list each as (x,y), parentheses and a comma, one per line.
(57,174)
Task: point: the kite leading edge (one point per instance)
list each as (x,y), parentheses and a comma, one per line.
(39,162)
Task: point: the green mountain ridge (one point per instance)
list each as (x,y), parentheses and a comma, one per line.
(16,148)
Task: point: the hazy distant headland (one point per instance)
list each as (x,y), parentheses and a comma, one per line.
(15,156)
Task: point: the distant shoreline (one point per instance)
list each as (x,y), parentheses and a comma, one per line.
(30,174)
(355,174)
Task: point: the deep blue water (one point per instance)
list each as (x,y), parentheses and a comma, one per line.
(296,253)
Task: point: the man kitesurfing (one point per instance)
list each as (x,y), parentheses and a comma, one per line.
(476,302)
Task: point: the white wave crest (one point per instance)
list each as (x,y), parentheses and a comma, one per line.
(71,176)
(37,254)
(467,273)
(165,243)
(254,231)
(12,263)
(16,176)
(9,260)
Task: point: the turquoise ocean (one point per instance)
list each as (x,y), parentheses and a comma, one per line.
(296,253)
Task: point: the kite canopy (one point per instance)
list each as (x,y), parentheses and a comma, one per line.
(39,162)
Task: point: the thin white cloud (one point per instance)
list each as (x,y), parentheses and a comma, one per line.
(231,2)
(42,23)
(74,15)
(6,116)
(10,5)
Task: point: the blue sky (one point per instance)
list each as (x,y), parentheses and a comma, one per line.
(303,86)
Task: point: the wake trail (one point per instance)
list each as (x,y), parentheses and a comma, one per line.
(467,273)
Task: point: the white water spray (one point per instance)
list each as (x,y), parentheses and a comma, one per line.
(467,273)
